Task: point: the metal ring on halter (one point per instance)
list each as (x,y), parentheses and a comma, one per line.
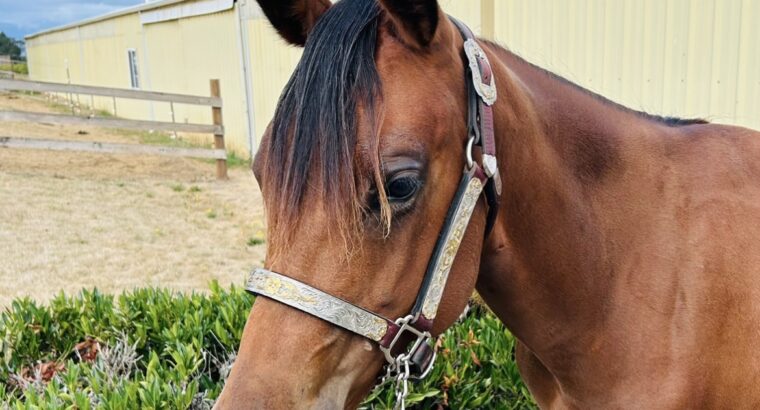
(405,326)
(468,152)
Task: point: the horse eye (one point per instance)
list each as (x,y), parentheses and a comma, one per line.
(402,188)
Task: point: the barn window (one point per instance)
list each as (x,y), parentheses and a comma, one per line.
(134,77)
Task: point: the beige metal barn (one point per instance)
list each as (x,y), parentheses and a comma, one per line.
(673,57)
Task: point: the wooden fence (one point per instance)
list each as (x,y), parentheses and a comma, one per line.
(216,128)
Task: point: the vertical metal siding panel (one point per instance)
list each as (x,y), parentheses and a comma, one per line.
(701,24)
(612,84)
(537,46)
(725,45)
(560,50)
(508,27)
(536,32)
(487,10)
(272,63)
(128,35)
(594,49)
(520,19)
(168,69)
(500,27)
(467,11)
(544,29)
(747,104)
(633,48)
(753,83)
(676,57)
(514,19)
(578,43)
(653,58)
(753,109)
(528,32)
(204,57)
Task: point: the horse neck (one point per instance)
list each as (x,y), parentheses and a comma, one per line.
(545,270)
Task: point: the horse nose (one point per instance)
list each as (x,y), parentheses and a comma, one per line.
(270,391)
(286,361)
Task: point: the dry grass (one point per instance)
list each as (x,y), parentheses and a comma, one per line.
(73,220)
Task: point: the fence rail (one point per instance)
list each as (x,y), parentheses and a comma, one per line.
(109,148)
(22,116)
(214,101)
(40,86)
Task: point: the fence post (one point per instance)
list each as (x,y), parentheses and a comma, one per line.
(171,107)
(216,113)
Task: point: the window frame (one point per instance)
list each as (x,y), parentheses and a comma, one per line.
(134,73)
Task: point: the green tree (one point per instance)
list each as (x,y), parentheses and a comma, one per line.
(10,46)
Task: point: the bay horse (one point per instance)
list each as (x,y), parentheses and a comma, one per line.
(624,257)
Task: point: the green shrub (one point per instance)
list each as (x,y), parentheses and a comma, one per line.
(157,349)
(17,67)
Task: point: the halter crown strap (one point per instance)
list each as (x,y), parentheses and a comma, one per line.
(480,118)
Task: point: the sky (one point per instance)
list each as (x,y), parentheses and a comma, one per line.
(19,18)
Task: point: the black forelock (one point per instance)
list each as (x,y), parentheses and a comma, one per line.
(314,131)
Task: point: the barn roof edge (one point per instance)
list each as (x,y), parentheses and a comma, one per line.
(117,13)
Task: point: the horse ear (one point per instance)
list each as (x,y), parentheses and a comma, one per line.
(414,21)
(294,19)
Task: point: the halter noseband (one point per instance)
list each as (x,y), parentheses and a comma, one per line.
(417,358)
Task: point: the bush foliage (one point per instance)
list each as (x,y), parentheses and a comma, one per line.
(157,349)
(18,68)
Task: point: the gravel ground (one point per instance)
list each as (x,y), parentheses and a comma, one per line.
(72,220)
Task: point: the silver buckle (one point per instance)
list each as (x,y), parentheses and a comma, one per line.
(421,337)
(486,91)
(489,165)
(398,368)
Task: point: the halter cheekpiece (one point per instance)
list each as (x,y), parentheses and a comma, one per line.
(415,359)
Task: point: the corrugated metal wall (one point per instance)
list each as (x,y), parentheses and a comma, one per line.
(183,55)
(693,58)
(689,58)
(272,63)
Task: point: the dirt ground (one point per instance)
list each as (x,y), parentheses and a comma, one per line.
(70,220)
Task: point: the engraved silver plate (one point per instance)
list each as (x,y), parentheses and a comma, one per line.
(486,91)
(316,303)
(453,240)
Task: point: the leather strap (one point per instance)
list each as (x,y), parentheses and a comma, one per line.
(313,301)
(454,226)
(481,96)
